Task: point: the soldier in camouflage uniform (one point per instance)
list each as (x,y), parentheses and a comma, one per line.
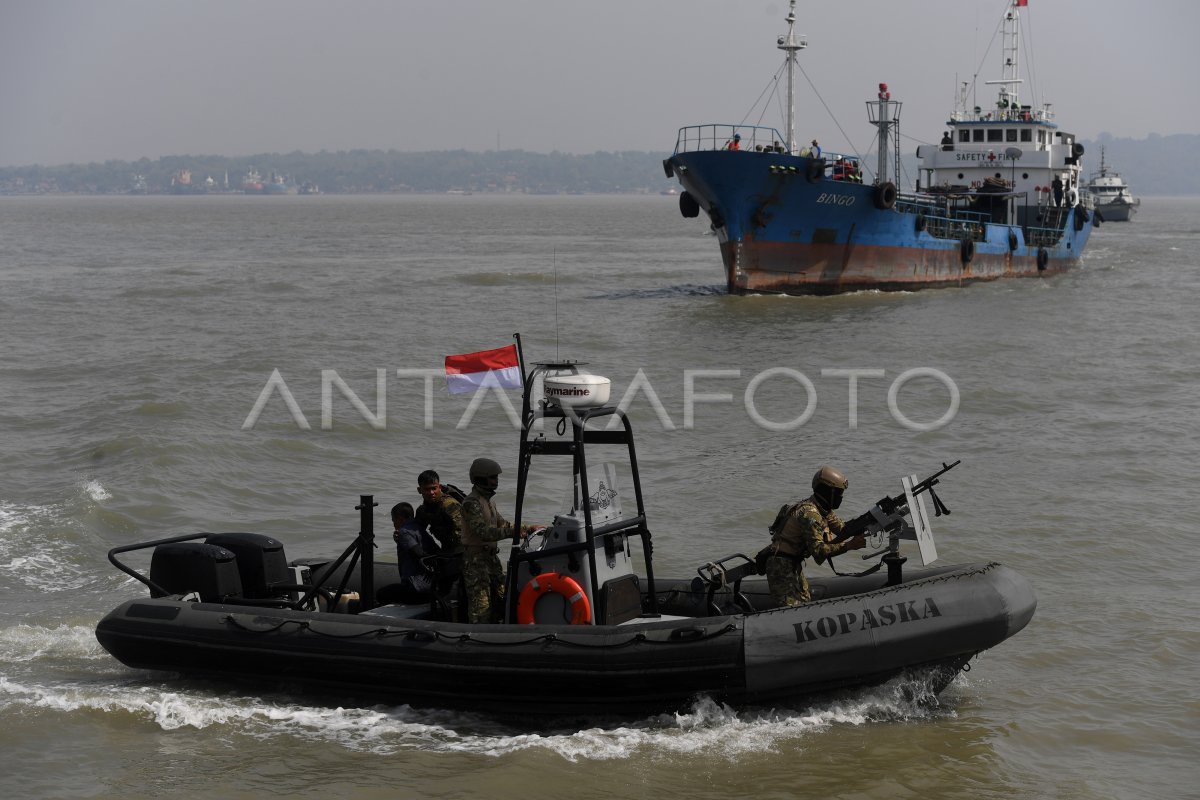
(812,529)
(482,528)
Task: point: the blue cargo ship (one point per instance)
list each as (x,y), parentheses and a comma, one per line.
(998,197)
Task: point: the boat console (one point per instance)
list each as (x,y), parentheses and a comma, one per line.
(601,568)
(581,568)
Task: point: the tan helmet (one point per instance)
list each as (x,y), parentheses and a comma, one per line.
(484,468)
(831,477)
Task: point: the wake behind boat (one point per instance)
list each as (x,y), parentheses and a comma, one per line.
(999,197)
(588,628)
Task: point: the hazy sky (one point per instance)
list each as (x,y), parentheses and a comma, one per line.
(90,80)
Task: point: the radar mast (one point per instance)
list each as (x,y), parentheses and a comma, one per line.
(1009,101)
(790,44)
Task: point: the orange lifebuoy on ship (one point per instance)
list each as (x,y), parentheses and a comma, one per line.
(563,585)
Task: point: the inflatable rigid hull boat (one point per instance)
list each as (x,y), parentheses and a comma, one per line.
(860,632)
(587,627)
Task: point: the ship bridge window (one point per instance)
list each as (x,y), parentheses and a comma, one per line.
(964,136)
(1026,135)
(1010,135)
(995,135)
(978,135)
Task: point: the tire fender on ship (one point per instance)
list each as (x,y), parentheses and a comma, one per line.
(920,222)
(563,585)
(967,250)
(1043,258)
(816,170)
(1012,240)
(688,205)
(667,168)
(885,196)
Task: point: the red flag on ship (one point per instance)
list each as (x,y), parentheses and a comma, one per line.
(1022,3)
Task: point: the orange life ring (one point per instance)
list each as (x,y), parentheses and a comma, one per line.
(568,587)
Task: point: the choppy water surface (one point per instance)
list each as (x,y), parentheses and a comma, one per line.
(136,335)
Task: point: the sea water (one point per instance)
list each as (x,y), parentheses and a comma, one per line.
(138,333)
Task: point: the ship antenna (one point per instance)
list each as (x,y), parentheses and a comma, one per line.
(554,263)
(790,45)
(1010,84)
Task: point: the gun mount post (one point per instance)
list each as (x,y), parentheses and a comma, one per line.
(895,563)
(366,544)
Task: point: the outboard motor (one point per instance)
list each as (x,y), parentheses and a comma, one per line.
(209,570)
(261,563)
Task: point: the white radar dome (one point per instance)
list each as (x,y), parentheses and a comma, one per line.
(577,391)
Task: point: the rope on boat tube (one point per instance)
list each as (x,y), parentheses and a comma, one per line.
(638,637)
(883,590)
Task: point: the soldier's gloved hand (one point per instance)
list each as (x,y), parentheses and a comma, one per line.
(857,543)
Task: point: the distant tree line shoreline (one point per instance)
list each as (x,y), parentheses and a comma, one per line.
(354,172)
(1156,165)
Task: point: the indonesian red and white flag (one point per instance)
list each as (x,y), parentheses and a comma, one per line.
(471,371)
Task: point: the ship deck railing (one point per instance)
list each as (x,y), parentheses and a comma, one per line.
(716,136)
(1053,224)
(1050,232)
(755,139)
(956,228)
(944,222)
(1043,237)
(999,114)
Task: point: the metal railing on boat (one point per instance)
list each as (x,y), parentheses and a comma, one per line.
(716,136)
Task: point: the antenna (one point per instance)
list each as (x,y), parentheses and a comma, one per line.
(554,263)
(790,44)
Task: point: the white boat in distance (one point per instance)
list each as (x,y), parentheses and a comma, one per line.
(1110,196)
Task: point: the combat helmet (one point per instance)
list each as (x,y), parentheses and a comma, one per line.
(484,468)
(831,477)
(828,486)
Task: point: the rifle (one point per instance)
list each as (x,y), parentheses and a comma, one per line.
(888,514)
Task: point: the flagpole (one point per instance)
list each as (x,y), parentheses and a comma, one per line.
(520,356)
(522,480)
(525,381)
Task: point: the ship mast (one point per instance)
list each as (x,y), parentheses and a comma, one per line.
(790,45)
(1010,83)
(884,114)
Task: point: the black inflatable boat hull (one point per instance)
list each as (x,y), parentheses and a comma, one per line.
(861,632)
